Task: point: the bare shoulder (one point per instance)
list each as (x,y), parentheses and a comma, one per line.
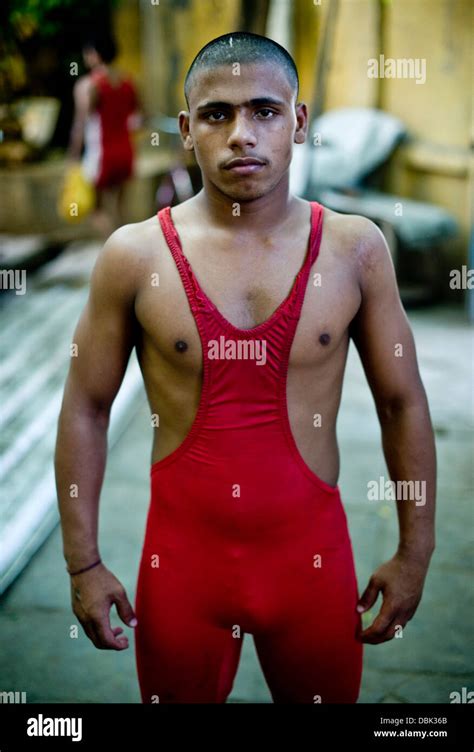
(143,243)
(127,254)
(139,239)
(360,240)
(358,234)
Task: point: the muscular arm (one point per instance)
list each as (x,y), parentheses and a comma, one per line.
(384,340)
(104,340)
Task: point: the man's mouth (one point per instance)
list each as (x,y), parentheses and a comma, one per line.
(244,165)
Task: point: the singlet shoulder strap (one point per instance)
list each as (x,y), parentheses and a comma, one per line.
(196,298)
(296,299)
(317,212)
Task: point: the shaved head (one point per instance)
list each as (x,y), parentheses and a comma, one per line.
(241,47)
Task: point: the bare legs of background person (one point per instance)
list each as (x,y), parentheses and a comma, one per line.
(109,212)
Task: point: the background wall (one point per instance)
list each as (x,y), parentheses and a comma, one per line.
(158,43)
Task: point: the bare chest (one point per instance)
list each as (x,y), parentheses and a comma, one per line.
(247,293)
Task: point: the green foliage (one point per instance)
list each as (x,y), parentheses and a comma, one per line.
(47,18)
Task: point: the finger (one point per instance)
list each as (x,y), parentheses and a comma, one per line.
(395,629)
(88,627)
(96,637)
(108,640)
(369,596)
(388,612)
(390,632)
(376,632)
(125,610)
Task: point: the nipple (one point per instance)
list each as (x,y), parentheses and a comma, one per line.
(180,345)
(325,338)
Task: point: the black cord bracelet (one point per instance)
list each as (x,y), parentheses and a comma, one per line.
(85,569)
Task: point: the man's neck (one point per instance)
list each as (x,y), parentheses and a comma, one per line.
(259,215)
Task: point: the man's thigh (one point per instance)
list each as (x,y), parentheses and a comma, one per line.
(313,655)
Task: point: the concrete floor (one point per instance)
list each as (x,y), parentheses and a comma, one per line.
(434,658)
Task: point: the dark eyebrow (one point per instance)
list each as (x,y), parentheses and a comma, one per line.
(258,102)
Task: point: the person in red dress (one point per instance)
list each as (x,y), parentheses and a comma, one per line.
(106,111)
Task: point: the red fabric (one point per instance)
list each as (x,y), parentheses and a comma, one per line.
(230,563)
(115,105)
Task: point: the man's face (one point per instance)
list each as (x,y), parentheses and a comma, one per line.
(247,116)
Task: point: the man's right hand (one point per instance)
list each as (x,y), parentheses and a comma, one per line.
(92,595)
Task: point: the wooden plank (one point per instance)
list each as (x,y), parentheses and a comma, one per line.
(35,350)
(22,534)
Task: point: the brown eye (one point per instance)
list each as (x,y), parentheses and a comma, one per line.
(268,111)
(213,115)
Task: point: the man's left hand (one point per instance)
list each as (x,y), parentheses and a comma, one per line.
(401,581)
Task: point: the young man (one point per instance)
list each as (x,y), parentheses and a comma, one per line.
(241,303)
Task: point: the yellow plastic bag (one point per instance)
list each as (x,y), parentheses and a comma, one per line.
(77,197)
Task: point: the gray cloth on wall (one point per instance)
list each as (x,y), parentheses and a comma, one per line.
(354,141)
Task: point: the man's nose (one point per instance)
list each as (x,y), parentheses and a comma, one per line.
(242,132)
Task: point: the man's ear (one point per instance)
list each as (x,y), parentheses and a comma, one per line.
(301,123)
(186,138)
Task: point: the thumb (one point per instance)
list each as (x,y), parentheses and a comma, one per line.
(125,610)
(369,596)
